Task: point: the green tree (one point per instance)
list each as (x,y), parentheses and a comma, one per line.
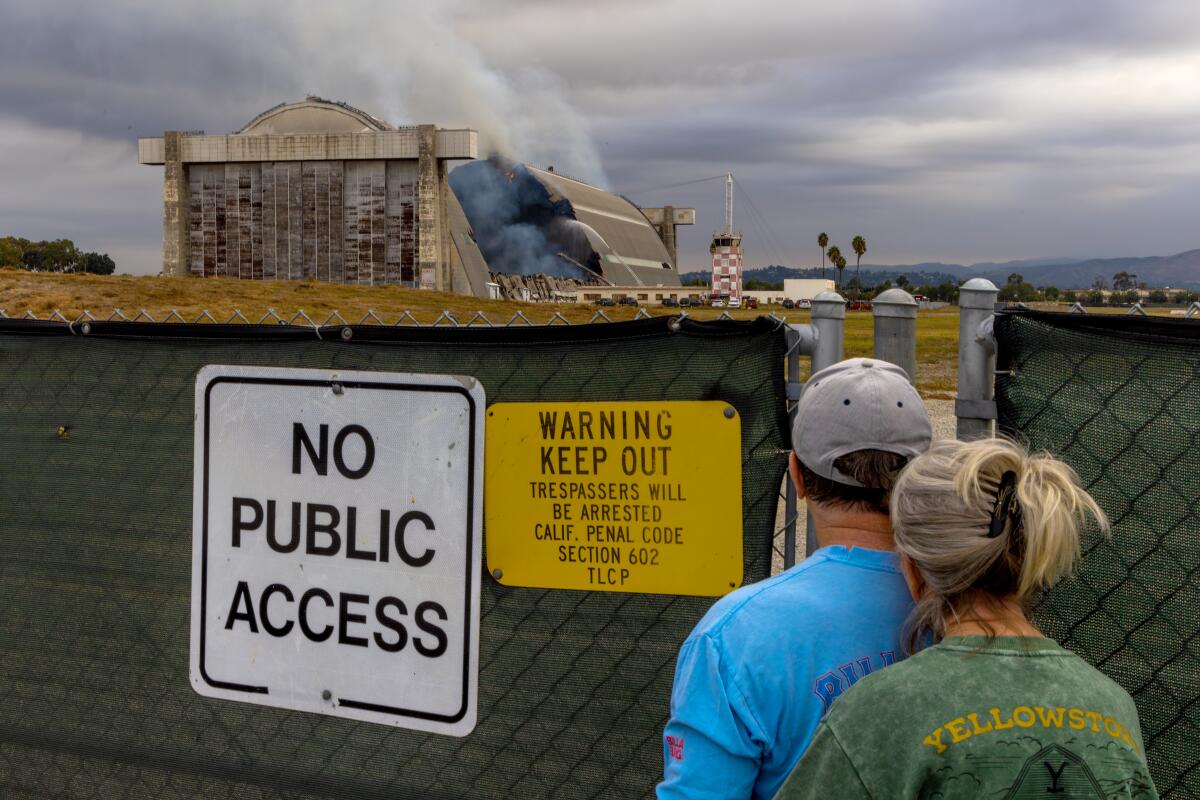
(1070,297)
(1183,298)
(841,267)
(1157,296)
(834,253)
(902,282)
(1051,293)
(12,251)
(31,257)
(859,245)
(1018,291)
(98,264)
(1124,281)
(60,255)
(823,241)
(1095,297)
(1099,284)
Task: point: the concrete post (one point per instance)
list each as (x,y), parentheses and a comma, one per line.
(667,232)
(829,320)
(446,251)
(429,223)
(896,330)
(974,406)
(666,221)
(175,205)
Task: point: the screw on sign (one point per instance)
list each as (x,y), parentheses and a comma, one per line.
(336,543)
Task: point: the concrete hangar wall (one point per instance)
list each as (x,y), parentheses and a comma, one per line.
(317,190)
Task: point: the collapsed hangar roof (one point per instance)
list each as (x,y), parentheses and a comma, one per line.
(630,250)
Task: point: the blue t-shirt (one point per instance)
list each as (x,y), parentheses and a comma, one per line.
(765,664)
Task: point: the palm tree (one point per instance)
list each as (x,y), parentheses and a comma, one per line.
(841,266)
(823,241)
(834,253)
(859,245)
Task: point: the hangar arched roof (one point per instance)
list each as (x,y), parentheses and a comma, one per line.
(314,115)
(631,250)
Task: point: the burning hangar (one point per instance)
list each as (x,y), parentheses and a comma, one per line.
(320,190)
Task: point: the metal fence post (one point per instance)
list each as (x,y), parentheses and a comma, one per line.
(896,330)
(801,340)
(974,406)
(829,319)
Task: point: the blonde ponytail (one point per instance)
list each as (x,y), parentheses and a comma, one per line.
(1055,508)
(949,518)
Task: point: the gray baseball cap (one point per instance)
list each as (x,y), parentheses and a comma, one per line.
(858,404)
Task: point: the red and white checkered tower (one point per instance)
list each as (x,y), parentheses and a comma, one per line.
(726,249)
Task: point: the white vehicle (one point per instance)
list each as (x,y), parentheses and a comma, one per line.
(717,303)
(804,303)
(735,302)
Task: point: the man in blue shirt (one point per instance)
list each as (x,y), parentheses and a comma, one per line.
(766,662)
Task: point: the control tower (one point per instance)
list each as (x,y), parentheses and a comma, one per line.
(726,249)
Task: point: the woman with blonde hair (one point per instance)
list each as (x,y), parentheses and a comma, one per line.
(992,708)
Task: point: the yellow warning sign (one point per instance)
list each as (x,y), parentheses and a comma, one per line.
(619,497)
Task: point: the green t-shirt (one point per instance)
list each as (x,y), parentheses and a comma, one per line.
(1016,718)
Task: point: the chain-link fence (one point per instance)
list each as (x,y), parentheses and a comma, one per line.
(95,555)
(1119,399)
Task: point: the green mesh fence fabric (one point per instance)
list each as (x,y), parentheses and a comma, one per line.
(95,537)
(1119,399)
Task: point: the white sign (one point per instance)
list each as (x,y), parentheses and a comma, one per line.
(336,543)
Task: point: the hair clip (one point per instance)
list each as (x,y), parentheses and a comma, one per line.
(1006,505)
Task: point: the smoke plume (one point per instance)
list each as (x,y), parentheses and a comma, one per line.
(520,227)
(408,63)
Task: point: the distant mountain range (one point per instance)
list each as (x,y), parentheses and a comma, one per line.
(1181,270)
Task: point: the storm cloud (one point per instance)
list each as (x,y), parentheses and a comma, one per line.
(947,131)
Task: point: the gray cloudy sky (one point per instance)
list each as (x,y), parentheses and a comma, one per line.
(940,130)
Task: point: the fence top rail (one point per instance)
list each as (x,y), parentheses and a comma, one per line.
(1114,324)
(334,319)
(445,329)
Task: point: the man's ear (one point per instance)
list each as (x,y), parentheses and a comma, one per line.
(912,576)
(797,478)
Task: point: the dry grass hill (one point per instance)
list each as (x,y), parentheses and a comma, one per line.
(71,294)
